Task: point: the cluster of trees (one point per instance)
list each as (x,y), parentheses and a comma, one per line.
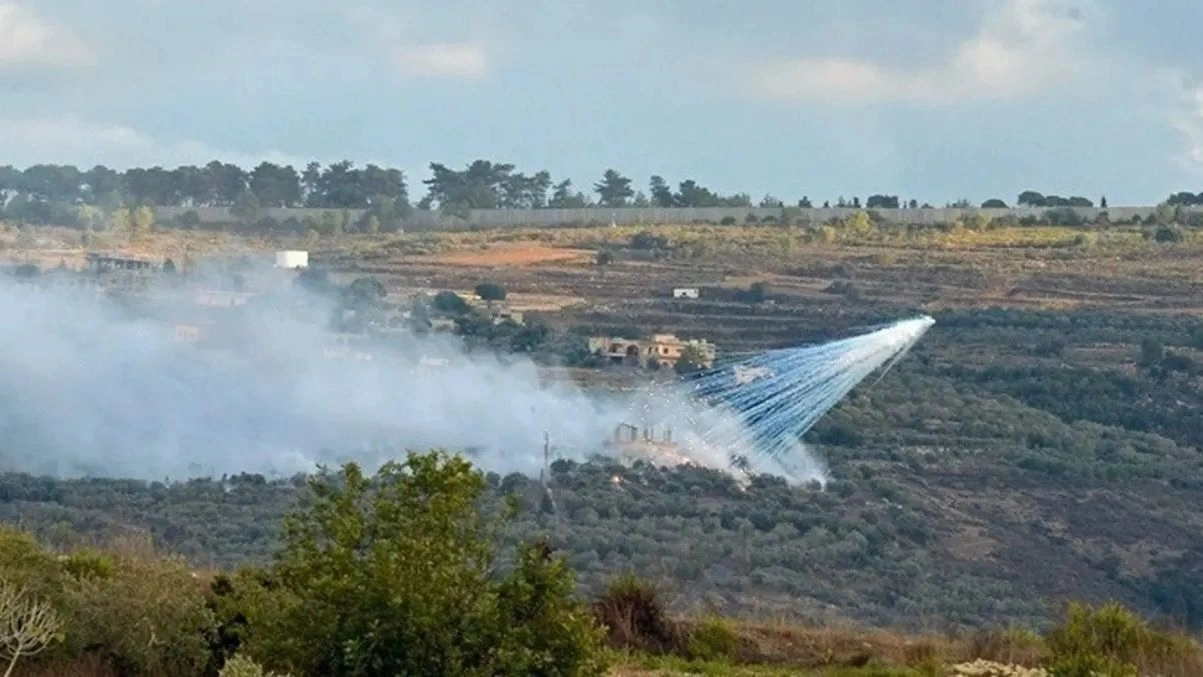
(481,184)
(1185,199)
(360,307)
(487,185)
(400,573)
(1030,198)
(217,184)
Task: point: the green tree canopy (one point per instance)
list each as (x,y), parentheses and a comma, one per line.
(365,293)
(394,575)
(614,189)
(661,194)
(490,291)
(449,302)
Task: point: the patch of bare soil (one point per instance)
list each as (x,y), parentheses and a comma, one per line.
(508,255)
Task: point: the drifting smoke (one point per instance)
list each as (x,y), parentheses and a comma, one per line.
(93,387)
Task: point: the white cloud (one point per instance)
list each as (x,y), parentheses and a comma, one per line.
(27,40)
(1025,46)
(442,60)
(70,140)
(1187,119)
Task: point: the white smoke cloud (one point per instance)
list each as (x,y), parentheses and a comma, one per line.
(1021,47)
(442,60)
(69,139)
(90,389)
(93,386)
(29,41)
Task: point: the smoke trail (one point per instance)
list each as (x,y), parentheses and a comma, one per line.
(93,387)
(778,395)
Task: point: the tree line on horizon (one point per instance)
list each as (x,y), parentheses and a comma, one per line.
(481,184)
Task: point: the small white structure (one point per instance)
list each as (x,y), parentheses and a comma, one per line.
(291,259)
(685,293)
(220,298)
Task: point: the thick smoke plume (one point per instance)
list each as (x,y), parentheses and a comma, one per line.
(93,386)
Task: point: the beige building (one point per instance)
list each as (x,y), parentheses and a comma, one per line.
(663,349)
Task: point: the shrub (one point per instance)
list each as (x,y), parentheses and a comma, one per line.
(449,302)
(1011,646)
(756,293)
(24,563)
(634,616)
(490,291)
(543,628)
(393,575)
(1168,234)
(1111,640)
(241,666)
(646,240)
(86,564)
(712,639)
(727,221)
(146,616)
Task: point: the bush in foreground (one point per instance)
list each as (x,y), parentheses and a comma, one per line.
(1112,641)
(635,617)
(394,575)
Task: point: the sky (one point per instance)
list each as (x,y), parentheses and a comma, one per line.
(935,100)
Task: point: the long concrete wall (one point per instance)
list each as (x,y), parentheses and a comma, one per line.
(510,218)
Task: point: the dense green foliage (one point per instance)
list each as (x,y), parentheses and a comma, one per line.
(394,575)
(66,195)
(399,573)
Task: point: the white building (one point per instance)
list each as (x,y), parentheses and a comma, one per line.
(685,293)
(292,259)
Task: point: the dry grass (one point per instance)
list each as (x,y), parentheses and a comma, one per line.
(804,647)
(50,246)
(812,647)
(1010,646)
(508,255)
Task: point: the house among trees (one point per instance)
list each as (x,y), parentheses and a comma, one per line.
(104,263)
(662,350)
(120,273)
